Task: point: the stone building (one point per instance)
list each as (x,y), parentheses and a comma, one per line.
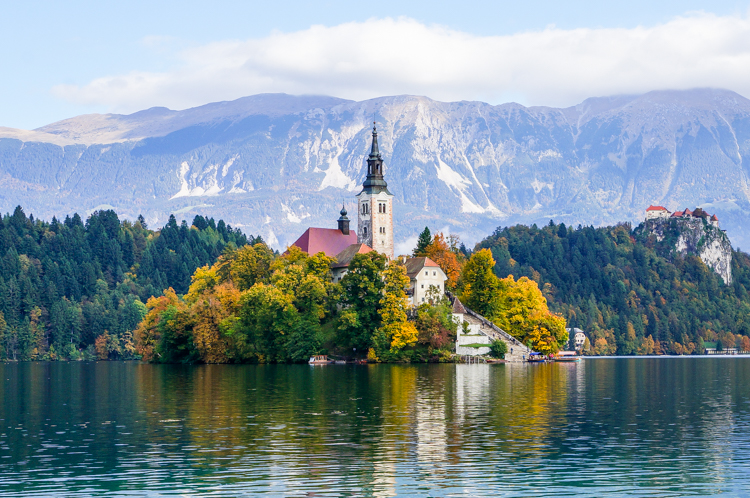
(657,212)
(375,205)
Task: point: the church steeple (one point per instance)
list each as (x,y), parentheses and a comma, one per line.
(375,183)
(375,205)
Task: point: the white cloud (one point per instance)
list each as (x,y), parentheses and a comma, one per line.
(379,57)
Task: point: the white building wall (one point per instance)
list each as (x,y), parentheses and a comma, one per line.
(655,215)
(420,284)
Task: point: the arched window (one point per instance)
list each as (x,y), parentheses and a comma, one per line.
(364,231)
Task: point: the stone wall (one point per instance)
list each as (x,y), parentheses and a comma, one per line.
(480,326)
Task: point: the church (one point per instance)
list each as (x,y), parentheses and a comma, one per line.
(374,233)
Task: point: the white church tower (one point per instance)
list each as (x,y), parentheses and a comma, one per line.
(375,203)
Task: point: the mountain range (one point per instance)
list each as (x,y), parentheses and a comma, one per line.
(274,164)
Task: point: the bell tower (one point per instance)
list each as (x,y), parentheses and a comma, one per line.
(375,205)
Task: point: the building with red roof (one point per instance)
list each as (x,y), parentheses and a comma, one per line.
(657,212)
(341,266)
(424,274)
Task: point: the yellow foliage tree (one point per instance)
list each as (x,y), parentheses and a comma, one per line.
(396,332)
(250,265)
(210,311)
(147,334)
(524,314)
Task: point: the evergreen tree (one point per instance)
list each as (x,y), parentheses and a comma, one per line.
(424,240)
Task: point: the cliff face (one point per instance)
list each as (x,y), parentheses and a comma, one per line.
(697,237)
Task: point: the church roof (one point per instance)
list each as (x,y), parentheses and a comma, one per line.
(326,240)
(345,257)
(415,265)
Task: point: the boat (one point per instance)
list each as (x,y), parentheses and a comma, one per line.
(536,358)
(567,357)
(319,359)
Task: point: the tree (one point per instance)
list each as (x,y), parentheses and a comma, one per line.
(361,290)
(395,332)
(481,288)
(435,324)
(252,264)
(523,313)
(424,240)
(441,253)
(498,349)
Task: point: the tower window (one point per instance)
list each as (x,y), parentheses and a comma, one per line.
(365,209)
(381,207)
(364,231)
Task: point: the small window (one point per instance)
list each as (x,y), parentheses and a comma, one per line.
(364,230)
(423,286)
(426,273)
(422,299)
(434,274)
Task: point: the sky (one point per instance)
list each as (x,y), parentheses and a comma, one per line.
(62,59)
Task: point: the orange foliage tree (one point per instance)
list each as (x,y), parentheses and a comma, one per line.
(440,252)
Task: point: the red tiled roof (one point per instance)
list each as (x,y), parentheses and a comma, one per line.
(345,257)
(327,240)
(656,208)
(687,212)
(714,218)
(414,265)
(677,213)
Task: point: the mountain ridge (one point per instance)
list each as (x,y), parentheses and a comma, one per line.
(274,163)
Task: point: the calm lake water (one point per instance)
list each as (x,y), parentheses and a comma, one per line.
(640,427)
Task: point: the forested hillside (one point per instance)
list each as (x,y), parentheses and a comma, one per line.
(630,294)
(74,289)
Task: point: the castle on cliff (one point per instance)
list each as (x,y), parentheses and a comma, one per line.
(662,213)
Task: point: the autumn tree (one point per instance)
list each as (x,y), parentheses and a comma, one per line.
(396,331)
(251,264)
(441,253)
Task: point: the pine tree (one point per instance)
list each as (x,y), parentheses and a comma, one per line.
(424,240)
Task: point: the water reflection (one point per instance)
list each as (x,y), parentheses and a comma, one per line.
(666,427)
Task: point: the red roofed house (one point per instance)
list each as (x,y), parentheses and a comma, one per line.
(423,274)
(657,212)
(341,266)
(677,214)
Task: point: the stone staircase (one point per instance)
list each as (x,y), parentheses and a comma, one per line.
(478,324)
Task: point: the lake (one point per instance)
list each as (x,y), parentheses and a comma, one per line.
(629,426)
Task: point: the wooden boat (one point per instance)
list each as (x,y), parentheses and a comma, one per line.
(567,357)
(536,358)
(320,359)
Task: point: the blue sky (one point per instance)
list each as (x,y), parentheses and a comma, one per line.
(61,59)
